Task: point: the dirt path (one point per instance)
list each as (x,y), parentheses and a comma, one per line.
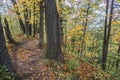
(29,62)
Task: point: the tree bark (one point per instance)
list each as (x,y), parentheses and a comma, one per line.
(53,31)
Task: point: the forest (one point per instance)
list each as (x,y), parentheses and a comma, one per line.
(59,39)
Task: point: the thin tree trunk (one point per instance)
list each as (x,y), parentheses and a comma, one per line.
(34,22)
(107,38)
(117,62)
(29,24)
(85,29)
(109,25)
(104,41)
(26,20)
(19,16)
(65,37)
(8,33)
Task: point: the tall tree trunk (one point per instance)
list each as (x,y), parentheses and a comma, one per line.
(4,56)
(53,31)
(29,24)
(85,29)
(8,33)
(107,32)
(34,22)
(26,20)
(41,37)
(19,16)
(104,41)
(109,26)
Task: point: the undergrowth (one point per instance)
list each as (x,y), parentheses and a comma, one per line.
(5,74)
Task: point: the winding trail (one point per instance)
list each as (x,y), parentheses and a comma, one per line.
(28,59)
(29,62)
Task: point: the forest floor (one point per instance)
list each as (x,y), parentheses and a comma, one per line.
(30,63)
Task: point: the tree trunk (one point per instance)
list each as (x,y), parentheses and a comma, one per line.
(26,19)
(8,33)
(4,56)
(41,37)
(29,24)
(34,22)
(104,41)
(85,29)
(117,62)
(53,31)
(19,16)
(107,31)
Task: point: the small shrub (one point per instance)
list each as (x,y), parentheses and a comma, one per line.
(101,75)
(5,74)
(73,64)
